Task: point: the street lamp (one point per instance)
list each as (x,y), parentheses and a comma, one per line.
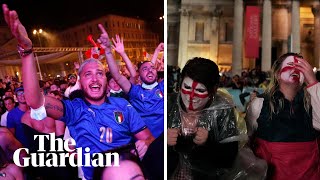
(38,32)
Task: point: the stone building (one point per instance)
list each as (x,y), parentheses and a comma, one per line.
(137,33)
(215,29)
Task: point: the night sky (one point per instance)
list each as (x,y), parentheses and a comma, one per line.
(60,14)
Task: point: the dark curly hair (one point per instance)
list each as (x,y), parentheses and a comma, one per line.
(202,70)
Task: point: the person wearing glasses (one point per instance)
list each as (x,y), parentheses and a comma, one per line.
(14,117)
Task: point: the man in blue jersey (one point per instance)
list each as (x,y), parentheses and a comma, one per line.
(147,98)
(94,121)
(14,117)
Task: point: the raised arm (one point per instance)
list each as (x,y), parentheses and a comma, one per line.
(119,48)
(29,76)
(76,67)
(156,52)
(313,87)
(105,43)
(32,92)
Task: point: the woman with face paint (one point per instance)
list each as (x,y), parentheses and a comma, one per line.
(282,122)
(202,132)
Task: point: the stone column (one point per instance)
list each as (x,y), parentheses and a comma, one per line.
(183,37)
(237,38)
(266,35)
(280,28)
(295,26)
(316,13)
(214,35)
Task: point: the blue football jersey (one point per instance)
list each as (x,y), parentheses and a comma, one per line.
(103,127)
(150,105)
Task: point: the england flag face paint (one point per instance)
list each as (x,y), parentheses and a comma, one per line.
(289,73)
(194,95)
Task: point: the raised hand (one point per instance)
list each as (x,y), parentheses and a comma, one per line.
(160,47)
(104,39)
(118,44)
(303,66)
(156,52)
(16,28)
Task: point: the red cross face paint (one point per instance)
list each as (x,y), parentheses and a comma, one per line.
(289,73)
(194,95)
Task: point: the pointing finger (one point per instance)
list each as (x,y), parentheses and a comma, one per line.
(102,29)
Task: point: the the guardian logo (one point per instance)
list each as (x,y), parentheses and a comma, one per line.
(55,157)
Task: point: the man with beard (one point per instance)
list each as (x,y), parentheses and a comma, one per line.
(94,121)
(146,98)
(73,84)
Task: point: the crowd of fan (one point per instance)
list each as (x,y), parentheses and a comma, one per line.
(250,83)
(64,88)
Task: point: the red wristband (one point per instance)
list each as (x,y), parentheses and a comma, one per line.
(312,84)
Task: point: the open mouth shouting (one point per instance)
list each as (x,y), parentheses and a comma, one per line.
(295,75)
(289,73)
(95,87)
(150,76)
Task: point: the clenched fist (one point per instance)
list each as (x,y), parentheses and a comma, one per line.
(173,134)
(201,136)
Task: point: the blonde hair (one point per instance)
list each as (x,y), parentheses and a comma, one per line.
(87,61)
(273,86)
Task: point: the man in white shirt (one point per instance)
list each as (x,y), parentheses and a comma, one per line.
(73,85)
(9,104)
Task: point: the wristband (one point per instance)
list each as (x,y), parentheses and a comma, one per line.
(24,52)
(312,84)
(39,113)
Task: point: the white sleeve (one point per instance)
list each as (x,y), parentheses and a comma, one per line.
(315,103)
(252,114)
(2,123)
(66,134)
